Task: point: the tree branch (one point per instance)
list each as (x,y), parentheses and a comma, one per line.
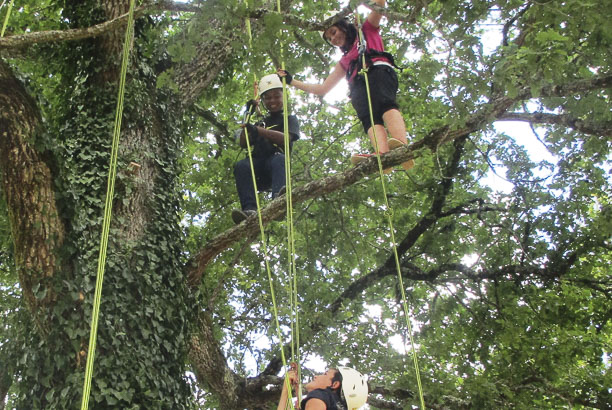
(586,127)
(276,209)
(221,127)
(209,364)
(388,267)
(308,25)
(193,77)
(511,22)
(23,40)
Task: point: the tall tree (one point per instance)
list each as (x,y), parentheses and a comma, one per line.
(508,286)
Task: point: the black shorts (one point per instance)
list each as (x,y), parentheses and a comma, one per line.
(383,90)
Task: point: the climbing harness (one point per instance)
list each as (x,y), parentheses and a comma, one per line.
(389,211)
(365,59)
(6,18)
(366,56)
(107,210)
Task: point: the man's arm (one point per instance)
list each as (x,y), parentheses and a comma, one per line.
(275,137)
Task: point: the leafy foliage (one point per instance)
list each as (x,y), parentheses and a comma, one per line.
(508,282)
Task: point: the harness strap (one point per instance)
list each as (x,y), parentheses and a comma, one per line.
(366,56)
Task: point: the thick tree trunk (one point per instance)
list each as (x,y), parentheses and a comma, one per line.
(28,187)
(140,354)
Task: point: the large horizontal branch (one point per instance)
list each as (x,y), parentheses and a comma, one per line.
(586,127)
(23,40)
(498,106)
(276,209)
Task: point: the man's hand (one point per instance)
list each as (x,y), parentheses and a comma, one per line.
(286,74)
(251,106)
(252,132)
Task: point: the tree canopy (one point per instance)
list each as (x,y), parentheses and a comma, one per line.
(503,227)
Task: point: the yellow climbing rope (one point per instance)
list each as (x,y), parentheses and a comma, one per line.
(389,215)
(295,332)
(6,18)
(260,221)
(110,189)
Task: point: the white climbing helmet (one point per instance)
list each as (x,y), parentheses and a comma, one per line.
(269,82)
(354,387)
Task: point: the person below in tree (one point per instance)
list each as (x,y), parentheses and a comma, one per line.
(381,76)
(267,141)
(336,389)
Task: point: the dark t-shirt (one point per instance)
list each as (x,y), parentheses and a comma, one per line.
(275,122)
(328,396)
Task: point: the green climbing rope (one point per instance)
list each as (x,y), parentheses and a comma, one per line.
(295,332)
(6,18)
(260,220)
(389,215)
(107,212)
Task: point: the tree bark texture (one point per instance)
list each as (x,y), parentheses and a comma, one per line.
(28,186)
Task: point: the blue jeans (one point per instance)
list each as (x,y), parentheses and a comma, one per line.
(269,173)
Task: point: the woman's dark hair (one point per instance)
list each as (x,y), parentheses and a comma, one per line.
(350,32)
(337,378)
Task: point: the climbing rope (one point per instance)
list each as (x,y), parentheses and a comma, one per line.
(107,211)
(259,218)
(389,215)
(295,333)
(6,18)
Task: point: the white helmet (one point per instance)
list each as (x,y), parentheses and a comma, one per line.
(269,82)
(354,387)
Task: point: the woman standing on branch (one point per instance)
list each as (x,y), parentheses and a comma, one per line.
(381,76)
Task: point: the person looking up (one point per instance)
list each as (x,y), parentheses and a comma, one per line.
(336,389)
